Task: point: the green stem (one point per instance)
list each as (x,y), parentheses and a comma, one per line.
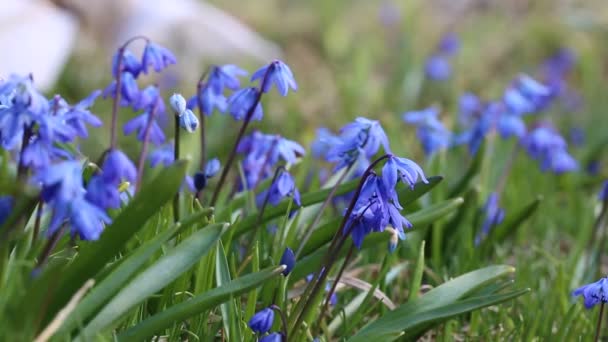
(599,323)
(176,157)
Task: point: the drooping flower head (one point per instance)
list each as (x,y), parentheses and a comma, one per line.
(212,167)
(277,73)
(262,321)
(211,92)
(241,102)
(6,207)
(358,141)
(156,57)
(378,204)
(289,260)
(593,293)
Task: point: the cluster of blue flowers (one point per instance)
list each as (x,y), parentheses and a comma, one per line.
(261,323)
(39,129)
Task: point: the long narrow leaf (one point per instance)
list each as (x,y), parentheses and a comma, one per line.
(154,278)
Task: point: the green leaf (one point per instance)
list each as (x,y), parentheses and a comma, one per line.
(197,305)
(177,261)
(410,326)
(430,306)
(511,223)
(418,271)
(132,264)
(94,256)
(473,170)
(230,317)
(274,212)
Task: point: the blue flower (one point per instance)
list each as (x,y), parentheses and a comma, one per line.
(22,106)
(278,73)
(469,105)
(86,219)
(130,63)
(359,141)
(480,127)
(510,124)
(284,186)
(225,76)
(139,123)
(494,215)
(212,167)
(41,153)
(449,44)
(188,121)
(593,293)
(156,57)
(6,208)
(61,181)
(102,193)
(603,196)
(262,321)
(526,95)
(541,140)
(117,167)
(274,337)
(79,115)
(289,260)
(402,169)
(129,91)
(209,101)
(438,68)
(323,142)
(163,155)
(148,99)
(241,102)
(199,180)
(559,161)
(432,133)
(263,151)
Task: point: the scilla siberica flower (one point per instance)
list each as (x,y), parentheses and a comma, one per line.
(284,186)
(62,190)
(494,215)
(22,106)
(277,73)
(262,321)
(377,205)
(263,151)
(358,141)
(212,167)
(212,92)
(544,144)
(241,102)
(593,293)
(289,260)
(156,57)
(480,126)
(432,133)
(153,106)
